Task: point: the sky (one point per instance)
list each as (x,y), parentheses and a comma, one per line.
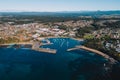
(59,5)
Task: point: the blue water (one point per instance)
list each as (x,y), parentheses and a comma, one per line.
(25,64)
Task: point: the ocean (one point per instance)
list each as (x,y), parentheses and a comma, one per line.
(26,64)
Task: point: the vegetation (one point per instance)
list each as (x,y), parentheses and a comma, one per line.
(88,36)
(63,27)
(99,45)
(9,40)
(113,24)
(82,31)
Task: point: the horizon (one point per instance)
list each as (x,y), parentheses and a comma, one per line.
(58,5)
(61,11)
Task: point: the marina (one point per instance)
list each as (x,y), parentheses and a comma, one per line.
(38,63)
(46,50)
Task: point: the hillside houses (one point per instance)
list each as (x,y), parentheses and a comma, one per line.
(112,33)
(25,32)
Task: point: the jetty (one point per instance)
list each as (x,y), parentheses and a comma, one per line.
(112,60)
(36,47)
(71,49)
(46,50)
(43,44)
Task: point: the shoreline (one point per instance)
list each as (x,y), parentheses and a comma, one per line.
(112,60)
(24,43)
(79,39)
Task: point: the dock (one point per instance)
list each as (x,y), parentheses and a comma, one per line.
(43,44)
(71,49)
(46,50)
(36,47)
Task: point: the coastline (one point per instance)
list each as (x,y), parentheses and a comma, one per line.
(79,39)
(112,60)
(24,43)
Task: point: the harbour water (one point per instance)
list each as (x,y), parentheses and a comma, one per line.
(26,64)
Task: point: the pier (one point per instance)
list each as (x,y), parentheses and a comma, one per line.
(36,47)
(71,49)
(112,60)
(46,50)
(43,44)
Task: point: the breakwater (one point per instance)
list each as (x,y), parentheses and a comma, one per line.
(112,60)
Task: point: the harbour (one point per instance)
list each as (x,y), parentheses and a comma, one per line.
(38,62)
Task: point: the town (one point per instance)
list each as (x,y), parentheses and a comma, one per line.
(101,33)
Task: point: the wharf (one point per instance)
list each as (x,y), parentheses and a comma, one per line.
(46,50)
(71,49)
(36,47)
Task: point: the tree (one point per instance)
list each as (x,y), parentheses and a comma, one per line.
(88,36)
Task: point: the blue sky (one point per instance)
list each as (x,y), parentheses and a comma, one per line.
(58,5)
